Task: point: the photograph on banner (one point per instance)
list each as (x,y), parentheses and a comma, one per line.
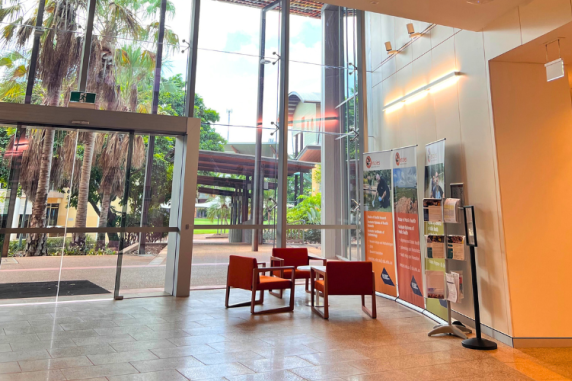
(406,212)
(456,247)
(378,218)
(434,186)
(435,170)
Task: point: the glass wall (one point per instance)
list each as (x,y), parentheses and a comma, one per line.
(236,97)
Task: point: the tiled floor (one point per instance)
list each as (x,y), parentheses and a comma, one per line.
(196,338)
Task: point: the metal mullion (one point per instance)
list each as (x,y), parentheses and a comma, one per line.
(362,126)
(124,216)
(84,68)
(192,61)
(281,232)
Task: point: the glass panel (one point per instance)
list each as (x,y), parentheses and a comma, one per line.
(149,205)
(88,259)
(16,40)
(41,160)
(233,68)
(323,133)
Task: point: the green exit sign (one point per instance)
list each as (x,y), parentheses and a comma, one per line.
(81,97)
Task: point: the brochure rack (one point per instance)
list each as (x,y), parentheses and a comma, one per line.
(471,233)
(450,328)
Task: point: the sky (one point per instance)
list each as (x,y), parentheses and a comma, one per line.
(227,72)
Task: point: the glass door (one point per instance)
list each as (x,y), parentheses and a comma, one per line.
(77,207)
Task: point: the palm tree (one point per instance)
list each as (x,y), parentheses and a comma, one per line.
(113,162)
(116,18)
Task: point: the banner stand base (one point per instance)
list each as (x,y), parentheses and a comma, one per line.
(455,330)
(479,344)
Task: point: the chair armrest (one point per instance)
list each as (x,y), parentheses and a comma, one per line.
(263,264)
(268,269)
(320,272)
(276,259)
(316,258)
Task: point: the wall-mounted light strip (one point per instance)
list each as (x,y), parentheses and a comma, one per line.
(436,85)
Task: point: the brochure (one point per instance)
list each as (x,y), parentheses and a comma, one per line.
(451,210)
(433,210)
(454,282)
(435,284)
(456,247)
(435,246)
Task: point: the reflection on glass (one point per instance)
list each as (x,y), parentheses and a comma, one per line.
(37,174)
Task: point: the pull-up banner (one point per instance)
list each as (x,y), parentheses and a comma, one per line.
(435,189)
(378,217)
(406,210)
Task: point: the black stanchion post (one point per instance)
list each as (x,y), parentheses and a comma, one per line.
(471,239)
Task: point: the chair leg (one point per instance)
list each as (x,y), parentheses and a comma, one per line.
(326,307)
(253,300)
(292,294)
(307,284)
(373,312)
(244,304)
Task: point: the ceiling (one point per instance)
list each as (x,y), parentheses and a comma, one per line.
(535,50)
(456,13)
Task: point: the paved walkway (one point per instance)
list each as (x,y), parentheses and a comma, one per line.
(196,338)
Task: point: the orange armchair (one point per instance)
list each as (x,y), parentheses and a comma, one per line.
(244,273)
(295,257)
(345,278)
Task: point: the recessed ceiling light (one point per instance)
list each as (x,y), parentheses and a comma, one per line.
(479,2)
(374,2)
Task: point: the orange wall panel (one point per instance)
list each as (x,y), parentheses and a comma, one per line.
(533,132)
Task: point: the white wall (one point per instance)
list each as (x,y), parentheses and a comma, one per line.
(462,114)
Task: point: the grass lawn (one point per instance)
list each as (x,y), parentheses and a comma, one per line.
(206,221)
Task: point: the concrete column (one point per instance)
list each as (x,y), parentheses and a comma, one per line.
(332,96)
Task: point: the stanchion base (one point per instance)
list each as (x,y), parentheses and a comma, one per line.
(447,330)
(479,344)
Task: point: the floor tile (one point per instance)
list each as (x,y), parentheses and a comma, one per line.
(326,372)
(226,357)
(24,346)
(141,345)
(170,375)
(49,375)
(60,363)
(115,358)
(82,341)
(276,363)
(193,350)
(165,364)
(9,367)
(26,355)
(81,351)
(281,375)
(83,373)
(333,356)
(214,371)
